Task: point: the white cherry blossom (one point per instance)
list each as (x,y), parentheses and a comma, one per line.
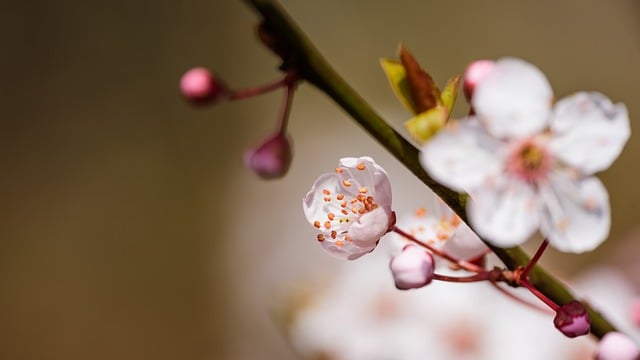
(351,207)
(528,164)
(437,225)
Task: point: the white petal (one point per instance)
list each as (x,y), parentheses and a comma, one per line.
(464,244)
(514,99)
(348,251)
(505,212)
(313,205)
(369,228)
(575,213)
(364,171)
(589,131)
(462,155)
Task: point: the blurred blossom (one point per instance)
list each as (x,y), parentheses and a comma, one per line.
(351,207)
(361,315)
(528,165)
(617,346)
(613,294)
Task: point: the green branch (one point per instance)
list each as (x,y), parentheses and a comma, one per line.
(285,38)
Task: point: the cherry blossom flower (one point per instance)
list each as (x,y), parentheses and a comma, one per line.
(528,164)
(351,207)
(437,225)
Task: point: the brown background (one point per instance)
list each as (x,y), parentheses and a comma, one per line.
(130,229)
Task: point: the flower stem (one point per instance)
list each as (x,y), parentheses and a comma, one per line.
(263,89)
(534,259)
(519,300)
(286,108)
(550,303)
(483,276)
(312,66)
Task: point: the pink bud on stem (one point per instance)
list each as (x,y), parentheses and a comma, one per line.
(572,319)
(413,268)
(475,72)
(199,86)
(272,158)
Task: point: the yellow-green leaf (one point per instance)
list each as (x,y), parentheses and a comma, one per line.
(398,80)
(450,93)
(423,126)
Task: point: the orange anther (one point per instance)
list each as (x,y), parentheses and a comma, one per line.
(455,221)
(334,234)
(326,192)
(327,224)
(339,170)
(327,199)
(316,224)
(421,212)
(346,183)
(331,216)
(363,190)
(343,204)
(361,167)
(320,237)
(340,196)
(339,243)
(344,212)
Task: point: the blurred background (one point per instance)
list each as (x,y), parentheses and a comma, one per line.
(131,230)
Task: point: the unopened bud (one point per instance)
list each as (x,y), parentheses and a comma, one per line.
(412,268)
(476,71)
(572,319)
(270,160)
(200,86)
(617,346)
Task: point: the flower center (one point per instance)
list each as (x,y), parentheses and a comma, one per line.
(343,207)
(529,161)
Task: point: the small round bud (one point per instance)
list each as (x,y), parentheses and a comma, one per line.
(617,346)
(475,72)
(572,319)
(199,86)
(270,160)
(412,268)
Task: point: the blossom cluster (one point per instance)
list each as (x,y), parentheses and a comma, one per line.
(526,164)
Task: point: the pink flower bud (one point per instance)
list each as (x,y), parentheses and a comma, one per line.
(572,319)
(272,158)
(476,71)
(617,346)
(412,268)
(199,86)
